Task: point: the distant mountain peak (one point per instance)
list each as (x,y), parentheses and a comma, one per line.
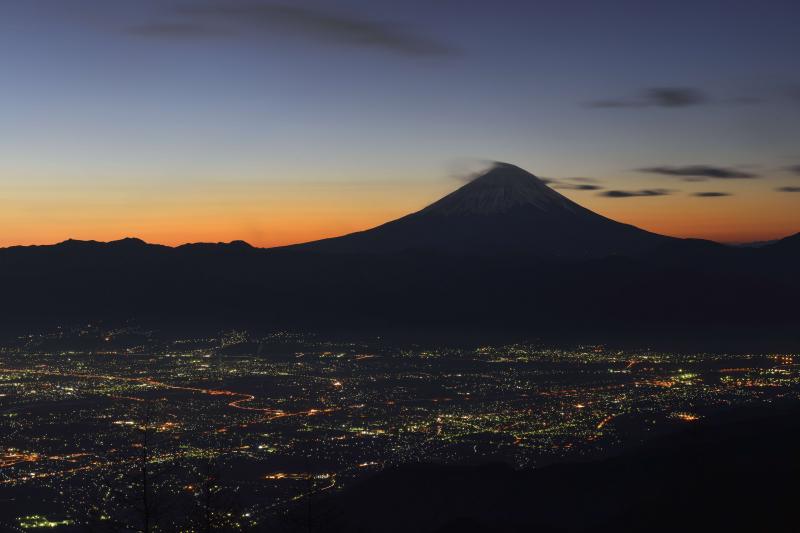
(129,241)
(502,188)
(125,241)
(504,210)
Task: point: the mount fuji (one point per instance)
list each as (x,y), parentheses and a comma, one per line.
(505,210)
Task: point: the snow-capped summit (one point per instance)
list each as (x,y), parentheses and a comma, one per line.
(502,188)
(505,210)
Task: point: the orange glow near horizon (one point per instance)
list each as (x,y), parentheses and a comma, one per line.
(176,228)
(263,215)
(281,215)
(750,217)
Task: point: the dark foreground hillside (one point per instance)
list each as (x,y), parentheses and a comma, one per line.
(736,474)
(699,292)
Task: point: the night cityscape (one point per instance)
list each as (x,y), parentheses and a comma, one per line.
(241,428)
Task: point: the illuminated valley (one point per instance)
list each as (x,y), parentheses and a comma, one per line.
(109,428)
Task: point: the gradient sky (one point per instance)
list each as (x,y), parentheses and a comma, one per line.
(278,123)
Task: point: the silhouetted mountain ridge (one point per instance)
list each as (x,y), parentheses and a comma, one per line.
(503,252)
(788,245)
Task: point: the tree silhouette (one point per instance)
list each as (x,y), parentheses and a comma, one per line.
(216,507)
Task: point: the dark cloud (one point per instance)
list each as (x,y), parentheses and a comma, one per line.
(700,172)
(584,180)
(578,186)
(574,184)
(795,169)
(632,194)
(658,97)
(788,189)
(233,17)
(674,96)
(711,194)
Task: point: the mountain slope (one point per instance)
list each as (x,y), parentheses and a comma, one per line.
(732,473)
(506,210)
(786,248)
